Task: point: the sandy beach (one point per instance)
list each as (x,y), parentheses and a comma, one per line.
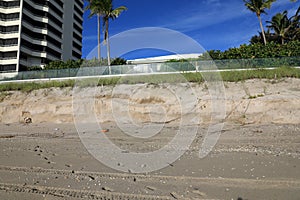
(256,157)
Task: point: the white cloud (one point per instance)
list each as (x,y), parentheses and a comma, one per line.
(205,14)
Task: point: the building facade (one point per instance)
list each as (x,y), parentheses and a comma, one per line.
(35,32)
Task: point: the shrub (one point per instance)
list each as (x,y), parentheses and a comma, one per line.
(257,50)
(119,61)
(34,68)
(64,65)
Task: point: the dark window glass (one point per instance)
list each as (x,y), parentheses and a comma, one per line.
(79,11)
(8,42)
(9,54)
(9,29)
(76,27)
(77,46)
(80,3)
(78,37)
(54,9)
(53,53)
(54,20)
(33,47)
(11,4)
(76,55)
(79,20)
(8,68)
(34,11)
(34,23)
(9,17)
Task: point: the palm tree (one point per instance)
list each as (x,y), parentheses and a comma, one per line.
(280,24)
(270,37)
(294,33)
(286,28)
(258,7)
(109,13)
(96,8)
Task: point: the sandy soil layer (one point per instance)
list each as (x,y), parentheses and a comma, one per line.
(48,161)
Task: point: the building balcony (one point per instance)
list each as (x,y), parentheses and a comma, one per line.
(33,53)
(55,26)
(38,6)
(38,54)
(35,29)
(57,6)
(50,57)
(35,17)
(76,50)
(34,40)
(40,42)
(9,35)
(54,36)
(10,23)
(78,15)
(8,61)
(10,10)
(9,48)
(76,40)
(78,24)
(57,16)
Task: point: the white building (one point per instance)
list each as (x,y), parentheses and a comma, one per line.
(35,32)
(161,59)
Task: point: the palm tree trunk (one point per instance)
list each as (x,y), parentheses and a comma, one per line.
(108,53)
(107,46)
(99,40)
(262,29)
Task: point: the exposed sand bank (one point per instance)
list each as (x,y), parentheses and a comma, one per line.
(250,102)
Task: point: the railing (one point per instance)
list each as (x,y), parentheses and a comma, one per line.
(166,67)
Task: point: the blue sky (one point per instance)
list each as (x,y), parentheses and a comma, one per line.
(214,24)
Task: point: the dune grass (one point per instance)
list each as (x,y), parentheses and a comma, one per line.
(228,76)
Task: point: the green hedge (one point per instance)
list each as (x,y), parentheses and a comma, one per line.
(271,50)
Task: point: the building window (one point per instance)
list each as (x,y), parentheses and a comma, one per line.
(77,46)
(8,42)
(8,67)
(55,20)
(79,20)
(34,11)
(9,29)
(77,28)
(8,55)
(55,10)
(76,36)
(80,3)
(77,10)
(9,4)
(76,55)
(9,17)
(34,23)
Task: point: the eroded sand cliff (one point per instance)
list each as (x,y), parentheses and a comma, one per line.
(249,102)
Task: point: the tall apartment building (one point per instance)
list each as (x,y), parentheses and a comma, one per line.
(35,32)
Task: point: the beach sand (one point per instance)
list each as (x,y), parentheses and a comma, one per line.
(48,161)
(256,157)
